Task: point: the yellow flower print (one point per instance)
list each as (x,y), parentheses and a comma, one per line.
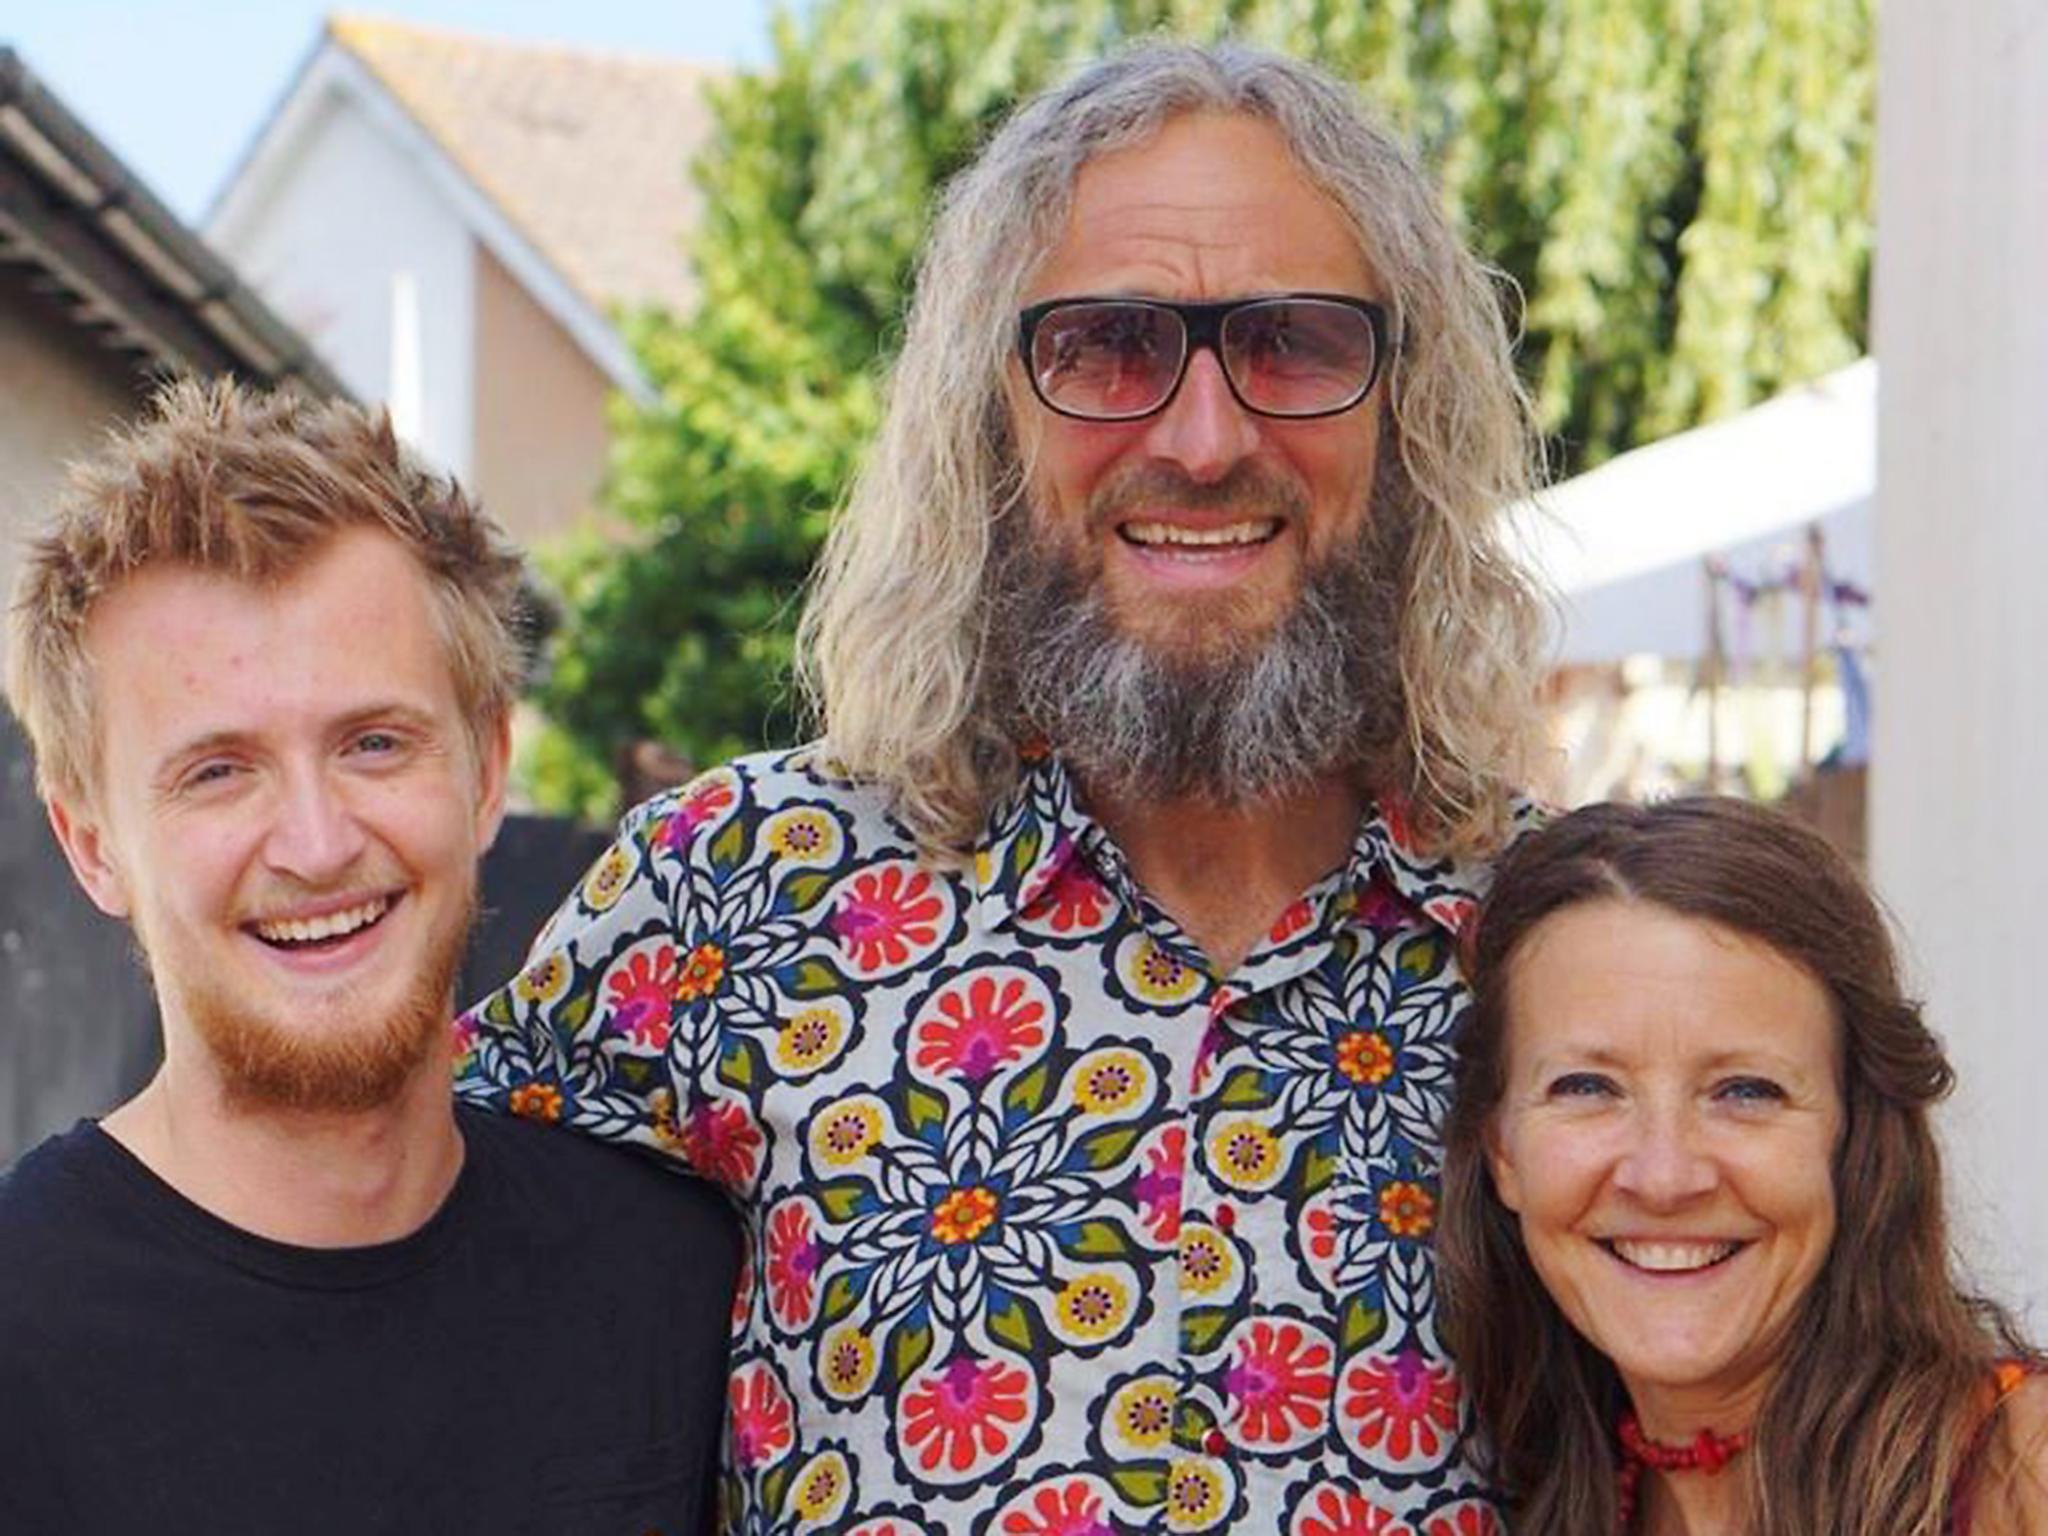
(822,1488)
(1093,1306)
(846,1362)
(1196,1495)
(810,1039)
(1110,1081)
(841,1136)
(1245,1154)
(1157,976)
(606,881)
(802,836)
(1206,1260)
(544,980)
(1141,1415)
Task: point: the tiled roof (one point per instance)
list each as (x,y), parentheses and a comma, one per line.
(586,153)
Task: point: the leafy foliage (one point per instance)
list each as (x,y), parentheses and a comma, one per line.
(1679,187)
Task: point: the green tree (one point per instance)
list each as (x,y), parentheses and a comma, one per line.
(1680,188)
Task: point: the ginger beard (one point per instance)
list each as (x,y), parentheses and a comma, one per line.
(329,1061)
(1234,715)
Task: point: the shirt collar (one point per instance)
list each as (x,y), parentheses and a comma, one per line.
(1039,827)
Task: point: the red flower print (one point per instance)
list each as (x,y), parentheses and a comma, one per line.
(1158,1187)
(759,1417)
(698,805)
(1339,1511)
(1322,1233)
(983,1025)
(1405,1406)
(1074,1509)
(963,1413)
(1452,912)
(722,1143)
(888,911)
(1072,900)
(1280,1383)
(1464,1520)
(794,1254)
(640,993)
(464,1041)
(1365,1057)
(1292,921)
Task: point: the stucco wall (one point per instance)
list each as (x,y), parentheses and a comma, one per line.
(59,392)
(323,241)
(540,411)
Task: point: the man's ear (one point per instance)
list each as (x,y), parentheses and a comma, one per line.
(1507,1181)
(88,850)
(494,761)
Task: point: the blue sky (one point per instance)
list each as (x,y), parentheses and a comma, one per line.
(177,88)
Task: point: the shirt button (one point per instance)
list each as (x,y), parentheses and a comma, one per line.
(1226,1216)
(1214,1442)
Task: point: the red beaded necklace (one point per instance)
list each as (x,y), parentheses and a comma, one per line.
(1706,1452)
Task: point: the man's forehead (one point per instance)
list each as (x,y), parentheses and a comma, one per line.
(1213,205)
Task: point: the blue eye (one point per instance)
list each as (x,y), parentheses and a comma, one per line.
(1580,1085)
(1749,1090)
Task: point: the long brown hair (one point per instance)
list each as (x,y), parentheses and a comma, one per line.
(1871,1414)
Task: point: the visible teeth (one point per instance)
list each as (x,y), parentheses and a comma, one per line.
(1671,1256)
(1252,532)
(332,926)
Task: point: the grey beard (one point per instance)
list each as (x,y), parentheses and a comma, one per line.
(1259,716)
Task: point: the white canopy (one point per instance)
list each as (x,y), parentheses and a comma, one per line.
(1624,542)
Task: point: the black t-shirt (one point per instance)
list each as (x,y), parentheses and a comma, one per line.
(546,1355)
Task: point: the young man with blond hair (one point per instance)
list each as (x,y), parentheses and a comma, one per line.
(267,664)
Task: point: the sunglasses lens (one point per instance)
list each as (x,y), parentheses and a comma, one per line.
(1299,357)
(1107,360)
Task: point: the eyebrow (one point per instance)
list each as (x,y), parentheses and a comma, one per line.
(1601,1056)
(392,711)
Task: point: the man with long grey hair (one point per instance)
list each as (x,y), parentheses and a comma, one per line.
(1074,1018)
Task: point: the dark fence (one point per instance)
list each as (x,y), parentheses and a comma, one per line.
(78,1030)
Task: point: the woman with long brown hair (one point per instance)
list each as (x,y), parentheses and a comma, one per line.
(1694,1259)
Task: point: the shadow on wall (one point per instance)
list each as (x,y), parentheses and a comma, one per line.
(78,1030)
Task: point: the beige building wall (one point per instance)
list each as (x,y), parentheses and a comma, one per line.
(541,437)
(59,392)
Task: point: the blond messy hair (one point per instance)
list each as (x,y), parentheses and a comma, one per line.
(893,642)
(250,485)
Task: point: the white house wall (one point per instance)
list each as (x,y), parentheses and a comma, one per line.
(324,241)
(1959,813)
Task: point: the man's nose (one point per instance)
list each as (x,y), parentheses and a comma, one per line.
(1203,429)
(1666,1161)
(315,834)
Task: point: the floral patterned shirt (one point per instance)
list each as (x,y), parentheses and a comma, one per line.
(1054,1231)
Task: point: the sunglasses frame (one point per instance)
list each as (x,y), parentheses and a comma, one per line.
(1202,327)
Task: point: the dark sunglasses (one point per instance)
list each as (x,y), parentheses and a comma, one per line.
(1285,354)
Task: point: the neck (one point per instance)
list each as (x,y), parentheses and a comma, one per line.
(316,1180)
(1693,1502)
(1226,872)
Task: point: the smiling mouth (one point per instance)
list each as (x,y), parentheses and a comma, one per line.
(301,935)
(1668,1257)
(1248,534)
